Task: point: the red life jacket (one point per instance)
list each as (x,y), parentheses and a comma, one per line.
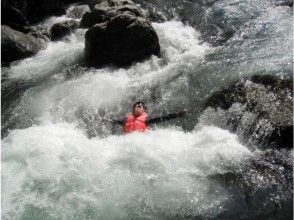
(134,123)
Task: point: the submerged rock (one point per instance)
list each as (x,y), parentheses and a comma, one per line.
(119,33)
(16,45)
(260,107)
(59,30)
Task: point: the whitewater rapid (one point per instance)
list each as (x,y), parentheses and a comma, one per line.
(63,168)
(61,160)
(65,89)
(61,173)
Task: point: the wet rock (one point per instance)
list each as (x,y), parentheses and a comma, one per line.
(40,9)
(249,187)
(59,30)
(260,108)
(36,10)
(41,33)
(119,33)
(122,40)
(78,11)
(19,15)
(111,3)
(105,10)
(16,45)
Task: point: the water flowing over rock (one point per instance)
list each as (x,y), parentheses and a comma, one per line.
(16,45)
(119,33)
(269,99)
(78,11)
(59,30)
(20,15)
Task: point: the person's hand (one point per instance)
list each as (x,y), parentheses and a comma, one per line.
(181,113)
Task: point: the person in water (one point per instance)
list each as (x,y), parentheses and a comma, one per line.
(138,119)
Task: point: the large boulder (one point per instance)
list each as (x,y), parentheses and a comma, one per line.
(16,45)
(259,108)
(112,3)
(107,9)
(122,40)
(60,30)
(119,33)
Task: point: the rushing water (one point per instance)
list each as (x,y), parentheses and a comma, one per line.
(62,160)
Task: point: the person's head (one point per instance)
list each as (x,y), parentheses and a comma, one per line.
(139,108)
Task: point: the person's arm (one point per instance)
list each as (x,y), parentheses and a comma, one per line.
(166,117)
(115,122)
(118,122)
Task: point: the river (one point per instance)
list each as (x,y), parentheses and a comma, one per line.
(62,160)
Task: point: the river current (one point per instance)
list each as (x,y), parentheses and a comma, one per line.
(61,158)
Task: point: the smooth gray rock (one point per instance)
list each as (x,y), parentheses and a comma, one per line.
(16,45)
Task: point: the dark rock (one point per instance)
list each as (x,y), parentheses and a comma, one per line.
(89,19)
(122,40)
(14,18)
(269,98)
(119,33)
(36,10)
(92,3)
(19,15)
(78,11)
(108,9)
(59,30)
(109,3)
(16,45)
(226,97)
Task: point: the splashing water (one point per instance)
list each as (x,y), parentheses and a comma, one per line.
(59,173)
(61,161)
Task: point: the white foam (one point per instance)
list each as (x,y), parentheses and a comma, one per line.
(181,50)
(54,165)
